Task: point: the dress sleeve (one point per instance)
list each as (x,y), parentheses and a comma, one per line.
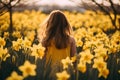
(73,47)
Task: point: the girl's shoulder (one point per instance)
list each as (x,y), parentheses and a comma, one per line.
(72,40)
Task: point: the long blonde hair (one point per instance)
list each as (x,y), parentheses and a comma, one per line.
(58,29)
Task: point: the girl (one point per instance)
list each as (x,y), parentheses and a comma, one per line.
(57,40)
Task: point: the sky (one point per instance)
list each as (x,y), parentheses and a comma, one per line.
(56,2)
(50,2)
(64,2)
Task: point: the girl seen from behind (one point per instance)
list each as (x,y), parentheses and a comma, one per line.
(57,39)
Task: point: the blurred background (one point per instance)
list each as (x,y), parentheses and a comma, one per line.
(47,5)
(96,29)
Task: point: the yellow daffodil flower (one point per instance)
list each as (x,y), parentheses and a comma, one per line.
(119,71)
(2,42)
(81,67)
(100,51)
(104,72)
(99,63)
(86,56)
(4,53)
(62,75)
(38,51)
(28,69)
(26,43)
(66,62)
(16,34)
(6,35)
(15,76)
(17,44)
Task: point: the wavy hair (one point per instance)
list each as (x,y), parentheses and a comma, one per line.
(57,30)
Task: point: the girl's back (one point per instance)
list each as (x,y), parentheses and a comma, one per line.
(56,55)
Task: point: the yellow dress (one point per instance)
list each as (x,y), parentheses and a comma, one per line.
(56,55)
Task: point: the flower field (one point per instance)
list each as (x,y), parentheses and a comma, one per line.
(97,44)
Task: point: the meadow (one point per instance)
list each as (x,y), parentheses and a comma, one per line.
(97,44)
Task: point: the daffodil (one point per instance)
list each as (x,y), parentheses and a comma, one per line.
(4,53)
(16,34)
(99,63)
(100,51)
(119,71)
(86,56)
(4,27)
(79,43)
(26,43)
(6,35)
(28,69)
(62,75)
(82,67)
(15,76)
(103,72)
(17,44)
(38,51)
(2,42)
(66,62)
